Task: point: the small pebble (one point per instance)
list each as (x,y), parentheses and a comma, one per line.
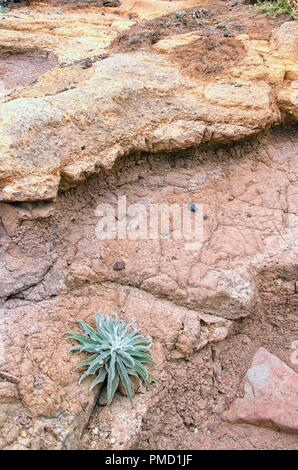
(87,63)
(119,266)
(192,207)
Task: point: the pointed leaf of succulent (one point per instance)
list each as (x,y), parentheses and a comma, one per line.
(113,388)
(87,362)
(98,379)
(74,348)
(124,378)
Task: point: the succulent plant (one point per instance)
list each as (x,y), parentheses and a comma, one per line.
(118,351)
(180,14)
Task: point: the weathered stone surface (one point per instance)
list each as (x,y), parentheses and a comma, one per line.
(286,40)
(271,395)
(146,9)
(274,60)
(173,112)
(8,392)
(77,120)
(183,299)
(122,422)
(19,268)
(35,351)
(70,36)
(74,132)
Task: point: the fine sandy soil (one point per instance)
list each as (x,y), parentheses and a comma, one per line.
(215,23)
(212,54)
(19,68)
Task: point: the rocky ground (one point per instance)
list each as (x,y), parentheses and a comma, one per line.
(99,102)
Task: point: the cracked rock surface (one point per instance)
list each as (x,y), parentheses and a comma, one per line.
(271,393)
(130,123)
(186,300)
(128,102)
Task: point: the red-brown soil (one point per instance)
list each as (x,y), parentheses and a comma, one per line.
(217,23)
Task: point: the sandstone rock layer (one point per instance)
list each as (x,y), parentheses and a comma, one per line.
(128,102)
(271,394)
